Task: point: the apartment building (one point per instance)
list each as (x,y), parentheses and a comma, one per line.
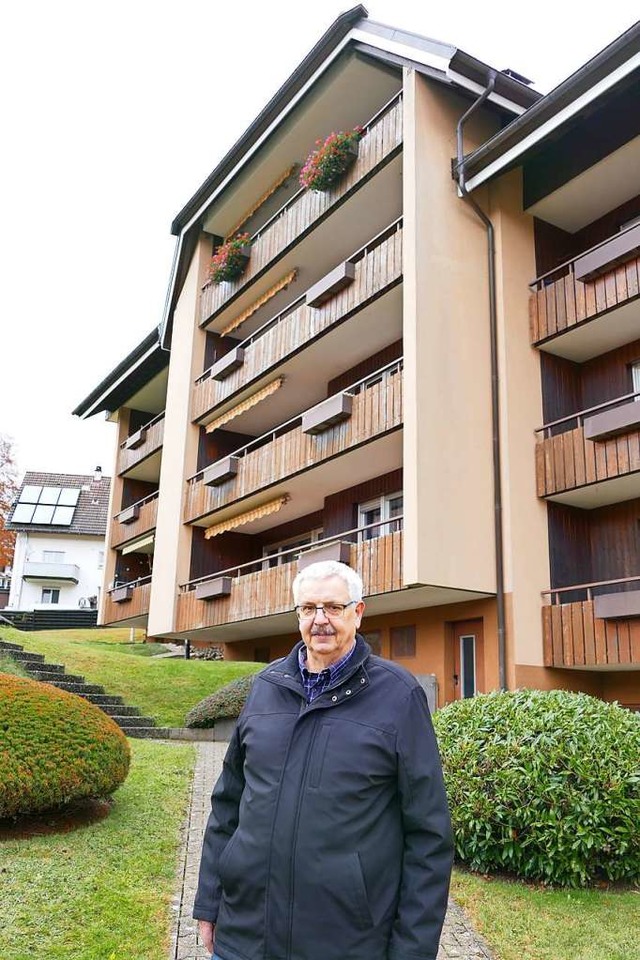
(373,387)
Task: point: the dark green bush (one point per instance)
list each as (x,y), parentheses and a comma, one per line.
(226,703)
(544,784)
(55,747)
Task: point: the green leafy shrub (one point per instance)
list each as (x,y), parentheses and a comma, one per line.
(544,784)
(55,747)
(226,703)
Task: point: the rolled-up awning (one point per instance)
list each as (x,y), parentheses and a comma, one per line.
(271,507)
(245,405)
(137,546)
(282,284)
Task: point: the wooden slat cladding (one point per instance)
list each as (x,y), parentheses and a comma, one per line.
(562,304)
(146,521)
(378,143)
(153,441)
(574,637)
(267,592)
(378,270)
(568,461)
(376,410)
(138,606)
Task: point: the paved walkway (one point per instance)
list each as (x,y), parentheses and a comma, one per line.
(459,939)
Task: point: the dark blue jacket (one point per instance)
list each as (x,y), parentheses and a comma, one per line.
(329,836)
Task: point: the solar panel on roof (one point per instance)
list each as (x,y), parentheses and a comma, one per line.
(46,505)
(30,494)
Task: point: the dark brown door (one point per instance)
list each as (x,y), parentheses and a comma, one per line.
(468,658)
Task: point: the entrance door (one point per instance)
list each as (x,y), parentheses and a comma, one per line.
(468,659)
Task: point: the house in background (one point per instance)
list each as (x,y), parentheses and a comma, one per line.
(5,586)
(60,521)
(373,388)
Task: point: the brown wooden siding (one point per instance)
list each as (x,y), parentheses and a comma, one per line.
(266,592)
(573,637)
(153,442)
(377,145)
(136,607)
(376,272)
(568,461)
(566,301)
(361,370)
(121,532)
(376,410)
(341,508)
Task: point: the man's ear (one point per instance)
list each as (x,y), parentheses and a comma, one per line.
(359,611)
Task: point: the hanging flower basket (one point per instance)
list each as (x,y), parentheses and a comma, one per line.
(230,259)
(323,168)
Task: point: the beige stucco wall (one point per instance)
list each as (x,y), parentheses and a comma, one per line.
(172,552)
(448,484)
(115,497)
(526,552)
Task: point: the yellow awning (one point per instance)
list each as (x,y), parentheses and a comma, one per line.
(265,196)
(138,545)
(245,404)
(282,284)
(271,507)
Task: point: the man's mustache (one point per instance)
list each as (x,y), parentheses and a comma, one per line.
(322,631)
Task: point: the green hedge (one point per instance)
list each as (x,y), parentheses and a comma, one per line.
(55,747)
(226,703)
(544,784)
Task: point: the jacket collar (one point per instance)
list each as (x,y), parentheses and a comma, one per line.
(286,672)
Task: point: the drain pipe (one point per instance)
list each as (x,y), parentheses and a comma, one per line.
(459,173)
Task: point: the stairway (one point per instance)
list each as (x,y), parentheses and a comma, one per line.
(128,718)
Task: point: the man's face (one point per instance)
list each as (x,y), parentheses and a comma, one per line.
(328,638)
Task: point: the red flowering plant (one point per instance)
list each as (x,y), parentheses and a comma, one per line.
(325,165)
(230,259)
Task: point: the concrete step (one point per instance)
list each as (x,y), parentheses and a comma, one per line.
(103,699)
(119,710)
(45,675)
(5,645)
(37,666)
(127,722)
(25,657)
(149,733)
(76,687)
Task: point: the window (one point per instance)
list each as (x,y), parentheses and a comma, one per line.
(635,378)
(468,665)
(50,596)
(634,222)
(374,639)
(285,550)
(53,556)
(100,559)
(403,642)
(374,511)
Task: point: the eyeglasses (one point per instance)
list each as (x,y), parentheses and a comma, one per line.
(305,611)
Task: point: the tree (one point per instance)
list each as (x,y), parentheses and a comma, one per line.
(8,490)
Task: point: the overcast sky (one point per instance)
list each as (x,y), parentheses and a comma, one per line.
(113,115)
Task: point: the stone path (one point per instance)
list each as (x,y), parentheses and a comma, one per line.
(459,939)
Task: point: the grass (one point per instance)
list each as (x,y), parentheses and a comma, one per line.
(103,891)
(523,922)
(165,689)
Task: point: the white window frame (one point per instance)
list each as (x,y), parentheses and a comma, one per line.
(49,599)
(383,504)
(53,556)
(282,546)
(635,378)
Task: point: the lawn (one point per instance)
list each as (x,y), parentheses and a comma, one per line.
(164,689)
(101,892)
(523,922)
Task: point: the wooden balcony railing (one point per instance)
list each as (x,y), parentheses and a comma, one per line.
(259,590)
(569,460)
(574,637)
(136,606)
(378,266)
(382,137)
(559,301)
(149,440)
(145,521)
(287,451)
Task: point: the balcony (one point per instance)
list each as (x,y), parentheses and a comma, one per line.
(381,141)
(287,452)
(139,455)
(257,591)
(596,459)
(591,304)
(45,572)
(128,602)
(377,268)
(134,521)
(603,630)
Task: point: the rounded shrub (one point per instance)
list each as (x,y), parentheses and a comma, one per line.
(543,784)
(55,747)
(225,704)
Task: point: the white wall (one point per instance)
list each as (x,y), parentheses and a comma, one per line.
(83,551)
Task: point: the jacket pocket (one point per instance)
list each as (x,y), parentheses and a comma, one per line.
(358,892)
(318,755)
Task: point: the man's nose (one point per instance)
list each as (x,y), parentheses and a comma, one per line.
(321,615)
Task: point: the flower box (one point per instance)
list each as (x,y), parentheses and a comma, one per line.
(324,167)
(230,259)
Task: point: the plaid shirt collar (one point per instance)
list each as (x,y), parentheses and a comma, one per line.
(316,683)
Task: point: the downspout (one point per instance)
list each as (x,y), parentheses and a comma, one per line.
(459,173)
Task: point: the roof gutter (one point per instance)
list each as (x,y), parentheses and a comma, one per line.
(459,173)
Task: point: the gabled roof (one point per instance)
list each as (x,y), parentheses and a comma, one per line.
(141,365)
(92,510)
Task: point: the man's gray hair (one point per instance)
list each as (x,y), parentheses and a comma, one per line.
(330,568)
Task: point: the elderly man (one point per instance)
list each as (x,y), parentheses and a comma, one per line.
(329,836)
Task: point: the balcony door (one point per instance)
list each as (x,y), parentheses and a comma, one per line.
(468,659)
